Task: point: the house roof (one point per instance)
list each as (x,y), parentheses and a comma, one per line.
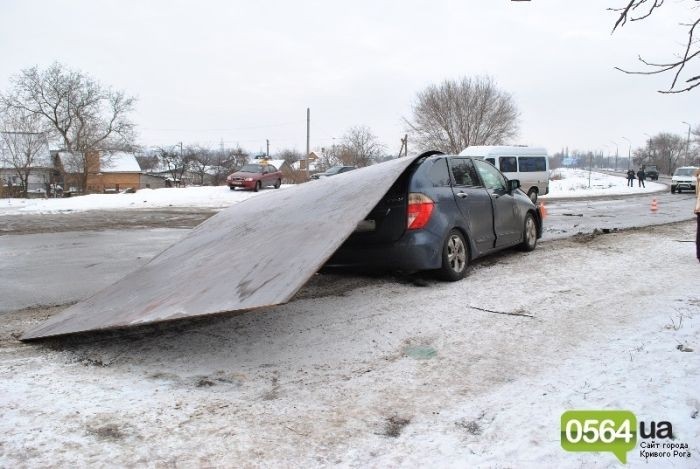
(119,162)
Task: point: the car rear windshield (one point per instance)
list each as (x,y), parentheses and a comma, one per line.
(684,172)
(334,170)
(252,168)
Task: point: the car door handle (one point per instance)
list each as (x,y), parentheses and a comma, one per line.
(462,195)
(495,196)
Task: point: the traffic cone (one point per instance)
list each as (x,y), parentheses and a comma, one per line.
(543,211)
(654,206)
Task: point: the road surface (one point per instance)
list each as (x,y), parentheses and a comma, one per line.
(47,262)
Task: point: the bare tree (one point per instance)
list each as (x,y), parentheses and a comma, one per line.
(202,161)
(360,147)
(460,113)
(289,155)
(665,150)
(176,161)
(638,10)
(23,145)
(80,112)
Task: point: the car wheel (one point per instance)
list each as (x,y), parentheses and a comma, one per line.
(532,193)
(455,257)
(278,184)
(673,189)
(232,188)
(258,186)
(529,234)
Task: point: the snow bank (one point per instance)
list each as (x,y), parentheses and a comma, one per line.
(573,183)
(202,197)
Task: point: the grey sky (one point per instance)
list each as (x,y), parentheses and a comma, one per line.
(246,71)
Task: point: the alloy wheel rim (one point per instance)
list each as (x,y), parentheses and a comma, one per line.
(456,253)
(530,231)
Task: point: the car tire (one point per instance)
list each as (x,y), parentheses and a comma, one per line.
(673,189)
(232,188)
(278,183)
(258,186)
(529,234)
(455,257)
(532,193)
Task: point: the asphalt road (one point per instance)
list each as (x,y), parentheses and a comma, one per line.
(60,259)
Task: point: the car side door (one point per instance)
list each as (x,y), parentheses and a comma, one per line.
(474,203)
(506,223)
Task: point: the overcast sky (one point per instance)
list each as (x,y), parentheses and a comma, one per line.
(245,71)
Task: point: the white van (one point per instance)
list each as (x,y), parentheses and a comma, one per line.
(530,165)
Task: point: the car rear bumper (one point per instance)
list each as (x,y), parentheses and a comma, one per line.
(415,250)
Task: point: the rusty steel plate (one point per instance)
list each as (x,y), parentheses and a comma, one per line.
(256,253)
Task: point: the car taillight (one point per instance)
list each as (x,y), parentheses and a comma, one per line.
(420,207)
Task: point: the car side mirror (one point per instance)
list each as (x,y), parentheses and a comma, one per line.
(513,184)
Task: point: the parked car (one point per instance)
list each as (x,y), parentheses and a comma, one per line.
(443,212)
(332,172)
(651,172)
(529,165)
(683,179)
(255,176)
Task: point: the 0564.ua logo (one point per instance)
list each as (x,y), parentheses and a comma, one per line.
(599,430)
(616,431)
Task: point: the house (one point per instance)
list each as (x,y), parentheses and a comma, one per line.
(41,177)
(112,171)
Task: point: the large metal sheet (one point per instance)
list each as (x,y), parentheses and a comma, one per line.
(257,253)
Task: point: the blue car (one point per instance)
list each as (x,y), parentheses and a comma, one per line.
(441,213)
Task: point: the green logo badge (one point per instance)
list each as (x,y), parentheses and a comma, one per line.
(599,430)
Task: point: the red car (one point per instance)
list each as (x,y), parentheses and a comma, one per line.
(255,176)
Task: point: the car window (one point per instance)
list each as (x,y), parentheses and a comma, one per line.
(508,164)
(271,169)
(491,160)
(252,168)
(439,174)
(463,172)
(492,178)
(531,164)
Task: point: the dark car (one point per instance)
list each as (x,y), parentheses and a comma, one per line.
(440,214)
(333,171)
(255,176)
(651,172)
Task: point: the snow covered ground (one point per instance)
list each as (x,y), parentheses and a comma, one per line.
(378,372)
(204,197)
(572,183)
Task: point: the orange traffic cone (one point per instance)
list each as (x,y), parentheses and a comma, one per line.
(654,207)
(543,211)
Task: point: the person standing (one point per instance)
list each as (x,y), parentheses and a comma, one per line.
(697,213)
(641,175)
(630,177)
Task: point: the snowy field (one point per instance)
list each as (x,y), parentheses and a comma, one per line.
(573,183)
(378,372)
(202,197)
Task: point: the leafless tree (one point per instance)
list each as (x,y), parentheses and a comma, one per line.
(360,147)
(202,161)
(289,155)
(460,113)
(638,10)
(177,162)
(23,145)
(665,150)
(83,114)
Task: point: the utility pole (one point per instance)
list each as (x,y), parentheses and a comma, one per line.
(267,153)
(308,139)
(687,143)
(629,153)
